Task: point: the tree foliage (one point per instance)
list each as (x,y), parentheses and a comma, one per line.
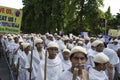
(41,16)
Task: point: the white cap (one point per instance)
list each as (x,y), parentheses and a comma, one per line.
(55,34)
(102,39)
(47,33)
(15,36)
(52,44)
(116,40)
(87,38)
(80,42)
(66,38)
(63,47)
(70,46)
(101,58)
(50,35)
(96,43)
(10,37)
(81,39)
(111,40)
(66,50)
(21,40)
(91,37)
(78,49)
(25,45)
(5,36)
(22,43)
(77,38)
(38,41)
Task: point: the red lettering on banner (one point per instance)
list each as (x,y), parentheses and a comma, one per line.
(2,10)
(8,11)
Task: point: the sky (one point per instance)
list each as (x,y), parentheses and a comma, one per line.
(12,3)
(115,5)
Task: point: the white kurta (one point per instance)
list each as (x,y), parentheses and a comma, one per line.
(90,62)
(38,67)
(22,70)
(15,55)
(67,75)
(42,61)
(90,52)
(115,47)
(10,47)
(112,56)
(110,46)
(66,65)
(54,68)
(87,46)
(97,75)
(25,64)
(118,69)
(60,43)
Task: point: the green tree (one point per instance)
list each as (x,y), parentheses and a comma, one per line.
(92,16)
(115,21)
(42,16)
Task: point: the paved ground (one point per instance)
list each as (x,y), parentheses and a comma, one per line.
(4,71)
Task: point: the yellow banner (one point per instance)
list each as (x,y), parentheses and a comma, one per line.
(10,20)
(113,32)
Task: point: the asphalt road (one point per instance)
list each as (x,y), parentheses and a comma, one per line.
(4,71)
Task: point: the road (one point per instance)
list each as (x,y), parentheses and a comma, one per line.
(4,70)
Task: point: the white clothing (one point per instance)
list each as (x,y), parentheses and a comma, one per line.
(90,62)
(38,67)
(22,70)
(97,75)
(42,61)
(67,75)
(87,46)
(66,65)
(115,47)
(10,48)
(60,43)
(118,69)
(90,52)
(110,46)
(54,68)
(112,56)
(25,64)
(15,55)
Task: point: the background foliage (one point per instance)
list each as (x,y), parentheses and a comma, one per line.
(41,16)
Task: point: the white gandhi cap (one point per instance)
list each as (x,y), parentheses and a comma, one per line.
(101,58)
(52,44)
(66,50)
(78,49)
(38,41)
(96,43)
(25,45)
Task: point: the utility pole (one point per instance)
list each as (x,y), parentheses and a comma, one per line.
(103,24)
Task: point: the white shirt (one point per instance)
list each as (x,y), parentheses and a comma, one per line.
(87,46)
(38,67)
(118,69)
(97,75)
(54,68)
(67,75)
(115,47)
(112,56)
(42,61)
(66,65)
